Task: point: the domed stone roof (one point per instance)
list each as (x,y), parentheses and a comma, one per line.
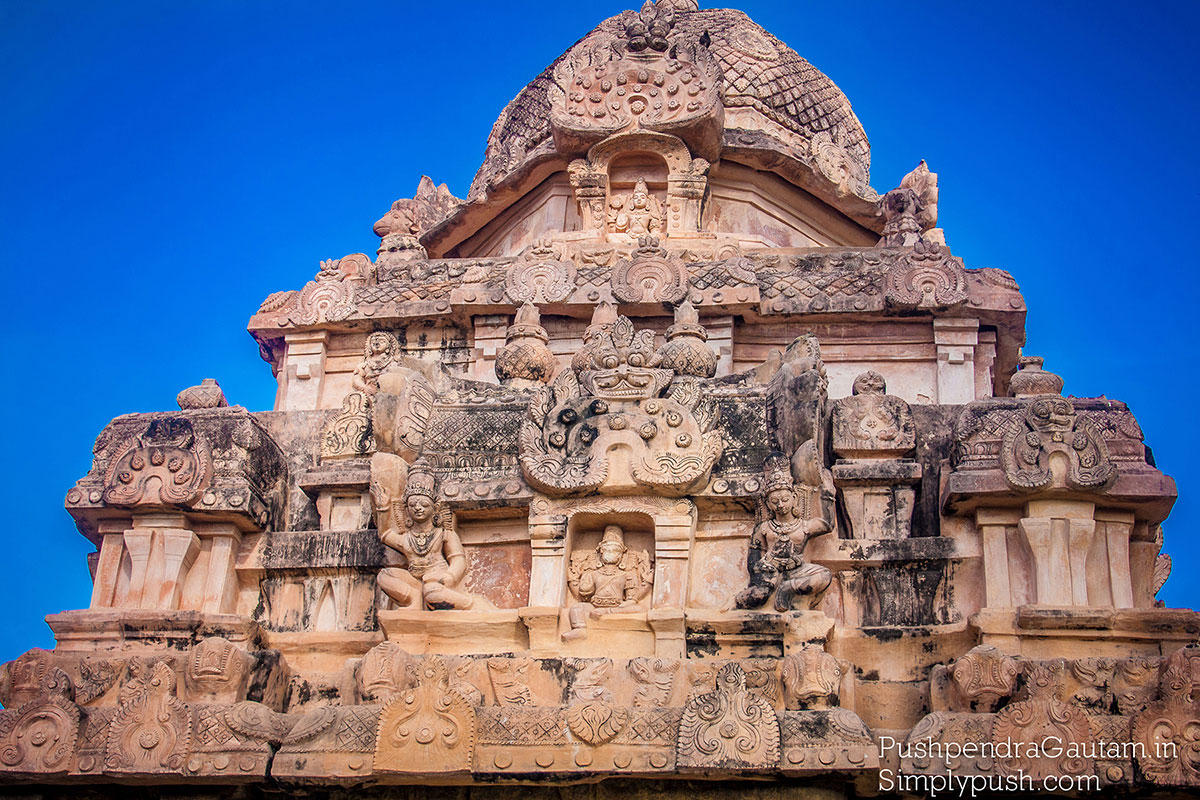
(765,86)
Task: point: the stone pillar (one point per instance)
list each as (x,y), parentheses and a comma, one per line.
(1117,527)
(985,360)
(490,330)
(993,525)
(548,569)
(956,339)
(720,340)
(162,549)
(220,580)
(674,533)
(108,567)
(1060,533)
(684,194)
(303,373)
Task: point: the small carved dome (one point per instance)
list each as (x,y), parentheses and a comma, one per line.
(525,360)
(685,350)
(766,87)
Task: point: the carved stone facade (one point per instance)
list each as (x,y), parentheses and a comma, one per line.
(673,451)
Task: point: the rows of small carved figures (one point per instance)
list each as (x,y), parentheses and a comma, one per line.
(216,712)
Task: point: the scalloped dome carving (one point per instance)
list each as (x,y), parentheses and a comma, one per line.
(766,87)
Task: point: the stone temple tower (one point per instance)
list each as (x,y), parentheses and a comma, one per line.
(673,457)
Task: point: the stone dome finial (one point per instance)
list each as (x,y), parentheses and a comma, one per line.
(525,360)
(1031,380)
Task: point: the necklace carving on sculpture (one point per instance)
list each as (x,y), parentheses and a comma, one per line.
(422,543)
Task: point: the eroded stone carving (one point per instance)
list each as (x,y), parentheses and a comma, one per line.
(350,433)
(872,423)
(152,730)
(509,677)
(792,514)
(910,210)
(729,728)
(685,352)
(427,729)
(984,677)
(217,671)
(606,580)
(812,679)
(207,395)
(637,213)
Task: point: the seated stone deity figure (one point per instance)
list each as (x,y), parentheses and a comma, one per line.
(794,514)
(638,213)
(421,529)
(607,579)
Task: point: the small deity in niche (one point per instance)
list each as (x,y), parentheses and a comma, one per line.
(421,529)
(638,213)
(795,513)
(379,353)
(607,579)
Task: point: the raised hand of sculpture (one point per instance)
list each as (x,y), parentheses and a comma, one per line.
(607,579)
(421,529)
(793,514)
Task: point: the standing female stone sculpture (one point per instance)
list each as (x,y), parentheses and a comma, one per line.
(421,529)
(776,556)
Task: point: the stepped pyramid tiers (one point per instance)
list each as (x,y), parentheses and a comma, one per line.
(674,451)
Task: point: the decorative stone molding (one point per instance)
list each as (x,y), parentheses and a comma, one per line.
(927,277)
(729,727)
(525,360)
(540,275)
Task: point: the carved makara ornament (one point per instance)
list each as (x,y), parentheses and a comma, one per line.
(1050,425)
(429,729)
(728,728)
(525,360)
(605,580)
(1042,716)
(610,399)
(650,276)
(168,464)
(420,528)
(811,679)
(789,515)
(152,731)
(1169,729)
(39,735)
(540,275)
(984,677)
(926,277)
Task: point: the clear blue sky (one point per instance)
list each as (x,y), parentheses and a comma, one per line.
(165,166)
